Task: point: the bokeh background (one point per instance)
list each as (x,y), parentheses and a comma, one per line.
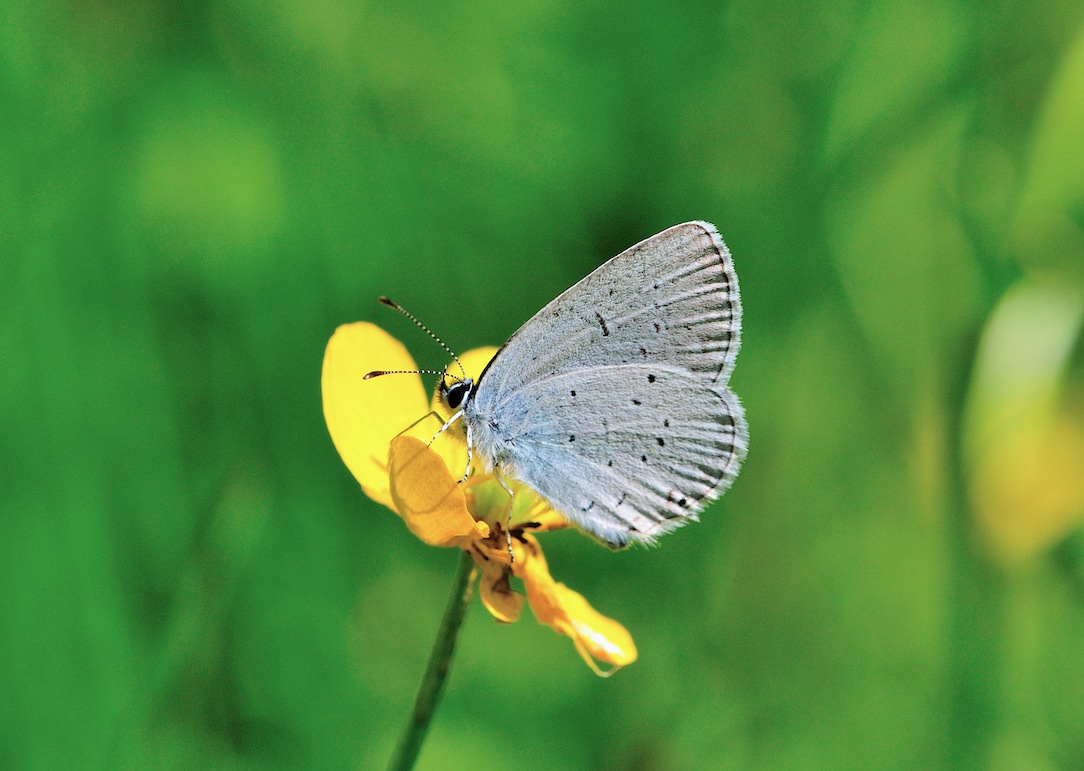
(194,195)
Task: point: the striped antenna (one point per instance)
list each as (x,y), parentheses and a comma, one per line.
(392,304)
(379,372)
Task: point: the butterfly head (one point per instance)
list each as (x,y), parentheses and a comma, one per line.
(456,394)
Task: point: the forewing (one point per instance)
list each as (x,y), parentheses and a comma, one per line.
(671,300)
(626,453)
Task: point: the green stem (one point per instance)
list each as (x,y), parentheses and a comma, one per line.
(440,661)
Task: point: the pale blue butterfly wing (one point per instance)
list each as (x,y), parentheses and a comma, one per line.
(622,454)
(671,299)
(612,401)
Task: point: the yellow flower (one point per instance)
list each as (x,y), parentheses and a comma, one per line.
(382,427)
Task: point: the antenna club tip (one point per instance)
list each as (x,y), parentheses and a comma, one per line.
(374,373)
(385,300)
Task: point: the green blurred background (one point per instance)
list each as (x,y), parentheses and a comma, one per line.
(194,195)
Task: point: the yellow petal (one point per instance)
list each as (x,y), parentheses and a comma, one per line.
(596,637)
(497,595)
(364,415)
(427,497)
(488,499)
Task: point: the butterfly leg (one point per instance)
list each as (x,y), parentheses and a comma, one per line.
(445,427)
(470,453)
(426,416)
(508,514)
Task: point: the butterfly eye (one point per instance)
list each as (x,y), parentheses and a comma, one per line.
(457,393)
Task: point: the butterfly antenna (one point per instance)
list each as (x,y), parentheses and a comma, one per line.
(392,304)
(379,372)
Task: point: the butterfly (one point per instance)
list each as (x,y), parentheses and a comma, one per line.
(612,402)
